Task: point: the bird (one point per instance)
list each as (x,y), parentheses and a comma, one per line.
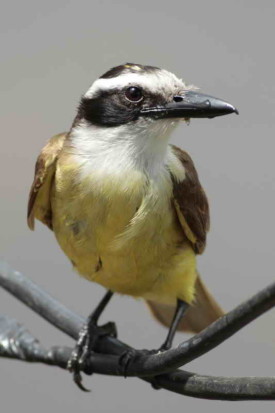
(125,205)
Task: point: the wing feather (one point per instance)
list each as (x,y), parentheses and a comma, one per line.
(39,205)
(191,203)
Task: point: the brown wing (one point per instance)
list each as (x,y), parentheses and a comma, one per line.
(39,205)
(191,203)
(193,212)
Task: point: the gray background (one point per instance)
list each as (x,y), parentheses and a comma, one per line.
(50,53)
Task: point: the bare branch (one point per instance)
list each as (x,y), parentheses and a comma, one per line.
(18,343)
(218,388)
(106,360)
(39,301)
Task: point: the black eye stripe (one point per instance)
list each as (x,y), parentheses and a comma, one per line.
(113,108)
(107,109)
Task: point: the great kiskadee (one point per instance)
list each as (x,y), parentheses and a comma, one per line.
(127,207)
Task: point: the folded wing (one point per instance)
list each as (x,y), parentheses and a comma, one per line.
(39,205)
(192,209)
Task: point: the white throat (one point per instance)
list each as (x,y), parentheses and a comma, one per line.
(141,146)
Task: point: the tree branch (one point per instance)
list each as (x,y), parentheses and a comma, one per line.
(106,360)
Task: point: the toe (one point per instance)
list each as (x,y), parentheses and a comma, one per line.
(110,329)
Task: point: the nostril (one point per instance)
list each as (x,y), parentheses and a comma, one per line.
(178,98)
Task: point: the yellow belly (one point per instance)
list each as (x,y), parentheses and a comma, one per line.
(123,233)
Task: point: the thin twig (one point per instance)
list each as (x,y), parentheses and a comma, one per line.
(178,381)
(18,343)
(27,291)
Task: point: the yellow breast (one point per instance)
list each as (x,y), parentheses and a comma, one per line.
(122,232)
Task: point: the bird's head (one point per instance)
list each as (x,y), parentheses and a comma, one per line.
(134,93)
(128,114)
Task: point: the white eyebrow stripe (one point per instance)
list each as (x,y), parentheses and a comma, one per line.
(155,82)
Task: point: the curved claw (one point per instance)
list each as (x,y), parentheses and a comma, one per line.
(74,367)
(78,381)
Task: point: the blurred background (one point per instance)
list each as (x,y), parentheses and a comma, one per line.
(50,54)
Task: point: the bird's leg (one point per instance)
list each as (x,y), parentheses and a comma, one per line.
(182,306)
(130,355)
(87,339)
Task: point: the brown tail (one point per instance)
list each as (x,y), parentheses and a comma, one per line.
(203,312)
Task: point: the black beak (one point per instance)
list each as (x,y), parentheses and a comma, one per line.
(191,105)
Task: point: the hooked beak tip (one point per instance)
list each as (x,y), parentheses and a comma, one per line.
(230,108)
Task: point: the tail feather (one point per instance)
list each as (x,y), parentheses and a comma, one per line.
(204,311)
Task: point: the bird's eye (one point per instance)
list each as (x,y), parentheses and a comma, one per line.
(134,94)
